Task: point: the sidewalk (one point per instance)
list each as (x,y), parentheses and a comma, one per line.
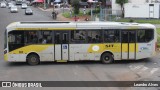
(60,17)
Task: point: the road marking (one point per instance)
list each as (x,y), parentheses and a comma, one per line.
(138,67)
(153,70)
(135,67)
(144,68)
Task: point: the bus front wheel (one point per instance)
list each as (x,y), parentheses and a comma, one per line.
(33,59)
(107,58)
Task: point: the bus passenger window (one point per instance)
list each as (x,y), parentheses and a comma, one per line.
(31,37)
(78,36)
(144,35)
(112,36)
(124,36)
(94,36)
(149,35)
(132,36)
(44,41)
(141,35)
(46,37)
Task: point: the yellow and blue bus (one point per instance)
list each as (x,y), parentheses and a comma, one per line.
(35,42)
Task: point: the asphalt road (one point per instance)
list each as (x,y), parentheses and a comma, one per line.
(142,70)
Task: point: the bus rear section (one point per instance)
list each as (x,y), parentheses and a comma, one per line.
(138,44)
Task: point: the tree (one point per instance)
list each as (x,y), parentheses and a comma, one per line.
(103,3)
(121,3)
(76,6)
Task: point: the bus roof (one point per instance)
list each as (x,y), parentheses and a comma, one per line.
(75,25)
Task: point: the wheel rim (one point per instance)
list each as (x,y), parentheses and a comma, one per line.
(33,59)
(106,58)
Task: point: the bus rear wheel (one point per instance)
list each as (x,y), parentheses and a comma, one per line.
(107,58)
(33,59)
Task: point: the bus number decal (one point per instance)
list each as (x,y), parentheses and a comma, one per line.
(109,45)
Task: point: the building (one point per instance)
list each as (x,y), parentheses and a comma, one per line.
(117,7)
(146,10)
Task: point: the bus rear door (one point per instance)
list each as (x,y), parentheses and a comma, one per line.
(128,46)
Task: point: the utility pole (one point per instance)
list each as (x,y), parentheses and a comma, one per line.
(53,5)
(64,3)
(101,16)
(63,7)
(44,4)
(91,12)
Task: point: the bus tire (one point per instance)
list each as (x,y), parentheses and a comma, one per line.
(107,58)
(33,59)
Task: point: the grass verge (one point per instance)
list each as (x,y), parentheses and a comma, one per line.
(67,14)
(158,37)
(152,21)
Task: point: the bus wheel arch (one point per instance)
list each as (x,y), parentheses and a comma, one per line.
(33,58)
(107,57)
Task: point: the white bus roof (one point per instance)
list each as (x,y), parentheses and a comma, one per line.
(79,25)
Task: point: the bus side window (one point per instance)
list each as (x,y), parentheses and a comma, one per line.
(78,36)
(94,36)
(148,35)
(144,35)
(132,37)
(117,35)
(141,35)
(112,36)
(124,36)
(46,37)
(31,37)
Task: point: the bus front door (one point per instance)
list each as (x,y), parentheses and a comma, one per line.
(61,50)
(128,46)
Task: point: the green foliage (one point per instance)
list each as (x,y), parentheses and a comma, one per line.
(158,37)
(152,21)
(97,11)
(158,31)
(76,6)
(158,45)
(67,14)
(121,3)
